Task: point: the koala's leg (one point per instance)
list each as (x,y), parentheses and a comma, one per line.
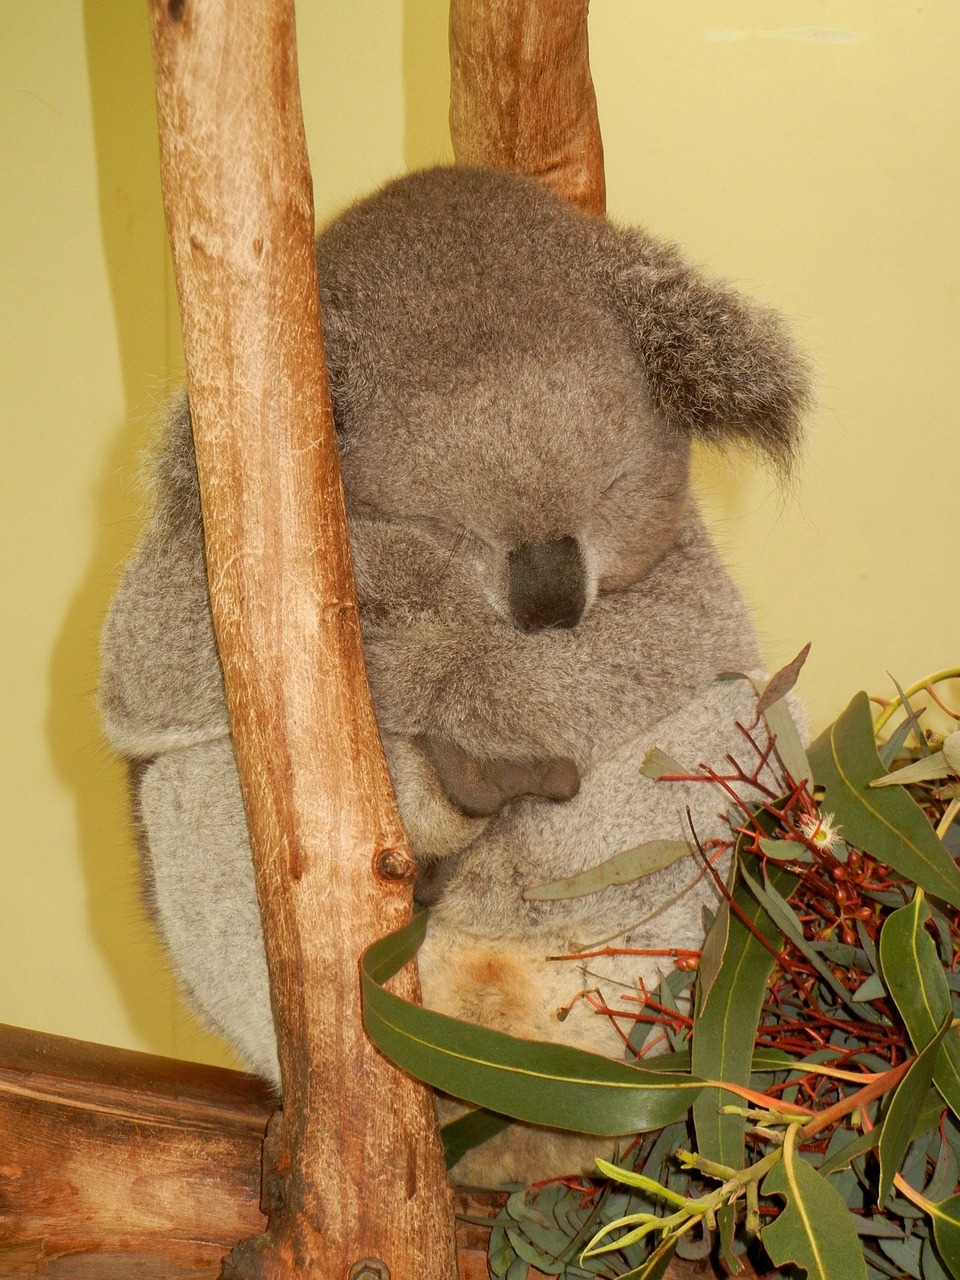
(200,875)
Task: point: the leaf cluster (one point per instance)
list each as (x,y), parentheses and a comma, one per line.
(809,1113)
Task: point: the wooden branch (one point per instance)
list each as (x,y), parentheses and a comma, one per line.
(521,93)
(362,1171)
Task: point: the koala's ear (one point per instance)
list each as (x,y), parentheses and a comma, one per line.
(719,367)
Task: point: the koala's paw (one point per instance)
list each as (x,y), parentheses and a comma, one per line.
(480,788)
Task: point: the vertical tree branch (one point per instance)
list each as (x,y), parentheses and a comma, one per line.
(357,1153)
(521,93)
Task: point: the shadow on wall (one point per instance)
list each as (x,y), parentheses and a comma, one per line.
(134,239)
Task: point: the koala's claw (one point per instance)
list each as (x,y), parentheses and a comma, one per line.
(480,788)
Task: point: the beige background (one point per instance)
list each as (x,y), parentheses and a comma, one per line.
(807,150)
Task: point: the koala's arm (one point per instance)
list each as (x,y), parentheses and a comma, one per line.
(160,685)
(474,680)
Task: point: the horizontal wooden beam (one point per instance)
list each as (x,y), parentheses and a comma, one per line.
(116,1164)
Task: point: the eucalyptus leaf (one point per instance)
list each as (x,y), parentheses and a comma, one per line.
(890,749)
(904,1253)
(951,750)
(857,1145)
(785,850)
(887,824)
(814,1230)
(725,1029)
(518,1270)
(933,766)
(946,1233)
(931,1268)
(530,1080)
(915,979)
(655,1267)
(901,1113)
(871,989)
(500,1253)
(657,764)
(789,746)
(922,743)
(782,681)
(785,918)
(622,868)
(945,1176)
(524,1248)
(712,952)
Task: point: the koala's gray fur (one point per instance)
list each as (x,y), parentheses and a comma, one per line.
(516,388)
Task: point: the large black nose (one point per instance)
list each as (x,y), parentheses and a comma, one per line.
(547,585)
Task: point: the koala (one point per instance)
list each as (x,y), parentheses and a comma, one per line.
(516,389)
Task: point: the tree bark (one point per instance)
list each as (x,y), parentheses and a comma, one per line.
(521,94)
(357,1158)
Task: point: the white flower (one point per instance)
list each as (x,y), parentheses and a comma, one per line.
(820,831)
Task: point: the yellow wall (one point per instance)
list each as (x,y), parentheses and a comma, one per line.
(809,151)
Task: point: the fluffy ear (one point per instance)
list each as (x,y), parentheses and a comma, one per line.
(719,366)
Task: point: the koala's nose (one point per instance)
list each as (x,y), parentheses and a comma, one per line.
(546,584)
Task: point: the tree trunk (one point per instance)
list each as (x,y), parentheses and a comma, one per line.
(357,1159)
(521,94)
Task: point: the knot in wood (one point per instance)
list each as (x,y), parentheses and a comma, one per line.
(369,1269)
(392,864)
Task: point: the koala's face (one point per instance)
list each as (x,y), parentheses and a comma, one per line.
(546,473)
(516,387)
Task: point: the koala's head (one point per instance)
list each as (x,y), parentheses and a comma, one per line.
(521,384)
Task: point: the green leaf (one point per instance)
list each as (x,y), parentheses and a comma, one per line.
(858,1145)
(871,989)
(785,850)
(518,1269)
(655,1267)
(712,952)
(622,868)
(725,1027)
(946,1232)
(902,1110)
(931,1268)
(887,824)
(946,1174)
(524,1248)
(657,764)
(933,766)
(915,979)
(783,915)
(531,1080)
(469,1131)
(951,750)
(789,746)
(815,1230)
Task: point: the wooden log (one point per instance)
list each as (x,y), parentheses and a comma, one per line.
(521,94)
(358,1158)
(114,1164)
(122,1166)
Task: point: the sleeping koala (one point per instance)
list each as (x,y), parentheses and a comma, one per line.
(516,388)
